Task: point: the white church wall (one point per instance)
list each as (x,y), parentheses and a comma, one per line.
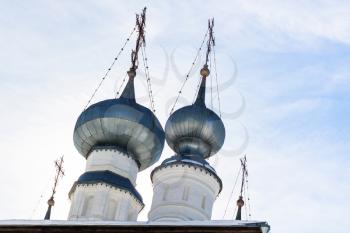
(114,161)
(103,202)
(183,193)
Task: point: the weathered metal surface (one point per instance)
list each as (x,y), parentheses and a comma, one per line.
(195,130)
(122,123)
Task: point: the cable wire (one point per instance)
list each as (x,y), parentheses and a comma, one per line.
(148,78)
(121,85)
(245,201)
(248,200)
(211,84)
(109,69)
(44,190)
(217,84)
(197,89)
(188,73)
(233,188)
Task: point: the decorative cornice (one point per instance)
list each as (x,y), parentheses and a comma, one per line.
(75,185)
(108,178)
(190,165)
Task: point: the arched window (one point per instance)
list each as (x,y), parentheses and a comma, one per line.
(185,193)
(204,200)
(87,207)
(131,216)
(111,209)
(166,191)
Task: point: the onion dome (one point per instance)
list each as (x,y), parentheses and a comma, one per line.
(121,123)
(195,129)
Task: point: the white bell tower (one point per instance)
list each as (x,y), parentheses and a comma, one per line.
(185,186)
(106,190)
(184,189)
(118,138)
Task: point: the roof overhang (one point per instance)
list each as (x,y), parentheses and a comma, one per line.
(124,227)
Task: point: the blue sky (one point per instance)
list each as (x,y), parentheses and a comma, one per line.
(286,65)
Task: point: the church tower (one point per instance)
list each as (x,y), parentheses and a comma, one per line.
(118,138)
(185,186)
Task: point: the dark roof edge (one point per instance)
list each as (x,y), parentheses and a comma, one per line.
(109,178)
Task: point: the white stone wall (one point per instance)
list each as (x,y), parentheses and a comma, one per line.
(103,202)
(183,193)
(114,161)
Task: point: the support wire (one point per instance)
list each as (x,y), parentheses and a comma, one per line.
(189,72)
(109,69)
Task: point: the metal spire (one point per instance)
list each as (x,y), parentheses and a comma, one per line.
(129,91)
(205,71)
(240,202)
(59,173)
(211,40)
(140,25)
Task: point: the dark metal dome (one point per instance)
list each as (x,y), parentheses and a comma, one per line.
(121,123)
(195,129)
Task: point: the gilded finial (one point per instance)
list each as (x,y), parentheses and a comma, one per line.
(205,71)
